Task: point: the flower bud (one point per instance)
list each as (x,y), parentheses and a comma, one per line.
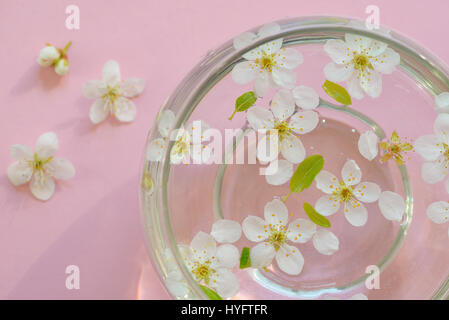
(62,66)
(48,56)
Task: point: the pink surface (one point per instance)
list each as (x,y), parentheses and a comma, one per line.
(93,220)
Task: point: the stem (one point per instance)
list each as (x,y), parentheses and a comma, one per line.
(232,115)
(287,196)
(66,48)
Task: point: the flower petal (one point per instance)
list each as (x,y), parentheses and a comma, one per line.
(441,127)
(284,77)
(94,89)
(289,58)
(428,147)
(351,173)
(386,62)
(283,104)
(155,149)
(338,51)
(276,213)
(392,205)
(371,83)
(327,205)
(442,100)
(325,242)
(46,145)
(21,152)
(357,43)
(111,73)
(203,246)
(226,231)
(356,213)
(165,122)
(326,182)
(60,168)
(270,29)
(338,72)
(225,282)
(367,192)
(262,255)
(433,172)
(262,84)
(99,111)
(438,212)
(254,228)
(132,87)
(301,230)
(283,173)
(305,97)
(304,121)
(292,149)
(359,296)
(354,87)
(268,147)
(20,172)
(42,188)
(125,110)
(244,72)
(260,118)
(290,260)
(244,40)
(367,144)
(228,256)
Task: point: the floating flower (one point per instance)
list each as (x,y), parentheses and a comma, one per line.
(438,212)
(360,61)
(269,64)
(349,191)
(50,56)
(435,151)
(112,95)
(392,205)
(210,265)
(395,148)
(368,145)
(39,167)
(325,242)
(289,144)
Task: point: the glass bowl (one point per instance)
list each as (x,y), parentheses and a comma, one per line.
(180,200)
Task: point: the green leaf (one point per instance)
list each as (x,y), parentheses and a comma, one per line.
(337,92)
(245,261)
(244,102)
(210,293)
(306,173)
(315,217)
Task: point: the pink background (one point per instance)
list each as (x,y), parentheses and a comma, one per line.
(93,220)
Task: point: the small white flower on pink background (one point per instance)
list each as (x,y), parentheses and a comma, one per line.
(112,94)
(438,212)
(40,167)
(51,56)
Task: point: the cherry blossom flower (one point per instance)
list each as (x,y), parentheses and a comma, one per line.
(51,56)
(210,264)
(112,95)
(269,64)
(360,61)
(434,149)
(395,148)
(348,191)
(438,212)
(290,146)
(39,167)
(367,144)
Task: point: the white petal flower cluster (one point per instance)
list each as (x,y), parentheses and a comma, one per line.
(51,56)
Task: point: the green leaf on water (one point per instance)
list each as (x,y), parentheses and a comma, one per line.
(316,217)
(210,293)
(306,173)
(245,261)
(244,102)
(337,92)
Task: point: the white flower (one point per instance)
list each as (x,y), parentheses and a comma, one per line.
(269,64)
(360,61)
(367,144)
(209,264)
(438,212)
(39,167)
(442,102)
(392,205)
(435,150)
(289,145)
(62,66)
(174,281)
(349,191)
(48,56)
(112,95)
